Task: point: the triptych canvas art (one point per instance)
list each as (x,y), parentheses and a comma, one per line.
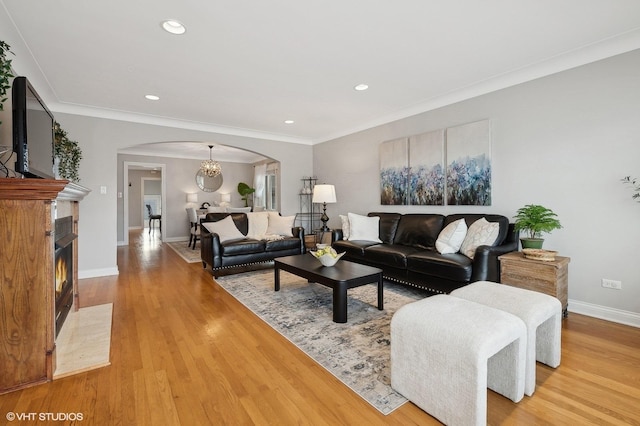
(451,166)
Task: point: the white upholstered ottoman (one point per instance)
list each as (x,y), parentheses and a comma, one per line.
(541,313)
(446,351)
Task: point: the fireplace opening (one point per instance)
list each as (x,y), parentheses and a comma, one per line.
(64,240)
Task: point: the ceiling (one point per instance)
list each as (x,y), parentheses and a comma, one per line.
(244,67)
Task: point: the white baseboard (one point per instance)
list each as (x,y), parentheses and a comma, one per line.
(94,273)
(605,313)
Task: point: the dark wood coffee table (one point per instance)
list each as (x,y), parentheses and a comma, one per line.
(340,277)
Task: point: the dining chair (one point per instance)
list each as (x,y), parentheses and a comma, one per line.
(154,217)
(194,229)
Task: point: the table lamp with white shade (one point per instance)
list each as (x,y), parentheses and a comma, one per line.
(225,199)
(324,194)
(192,197)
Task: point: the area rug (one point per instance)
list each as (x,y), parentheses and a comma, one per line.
(84,342)
(357,352)
(187,253)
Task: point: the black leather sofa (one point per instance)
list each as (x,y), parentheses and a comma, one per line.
(242,252)
(408,255)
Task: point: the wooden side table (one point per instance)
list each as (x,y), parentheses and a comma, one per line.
(310,240)
(549,277)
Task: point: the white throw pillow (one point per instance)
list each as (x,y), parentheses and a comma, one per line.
(215,209)
(273,213)
(225,228)
(480,233)
(280,225)
(451,237)
(258,224)
(346,228)
(364,228)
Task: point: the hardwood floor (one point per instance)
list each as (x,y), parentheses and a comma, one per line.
(184,352)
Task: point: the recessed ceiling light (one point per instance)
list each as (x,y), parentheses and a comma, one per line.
(152,97)
(361,87)
(174,27)
(289,121)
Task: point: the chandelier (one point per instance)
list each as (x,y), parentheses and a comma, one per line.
(210,168)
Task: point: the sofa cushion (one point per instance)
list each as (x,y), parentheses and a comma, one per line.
(455,267)
(225,228)
(353,248)
(244,246)
(364,228)
(283,244)
(393,255)
(480,233)
(419,230)
(451,237)
(388,226)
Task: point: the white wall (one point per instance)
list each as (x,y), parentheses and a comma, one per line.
(563,141)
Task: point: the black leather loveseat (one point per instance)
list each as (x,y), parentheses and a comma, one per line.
(221,255)
(407,253)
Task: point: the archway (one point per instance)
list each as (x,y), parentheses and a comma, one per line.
(180,162)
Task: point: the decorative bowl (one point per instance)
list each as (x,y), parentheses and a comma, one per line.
(540,254)
(327,256)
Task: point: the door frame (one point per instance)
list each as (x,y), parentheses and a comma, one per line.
(125,195)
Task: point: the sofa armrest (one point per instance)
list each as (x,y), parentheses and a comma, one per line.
(298,232)
(486,266)
(210,248)
(336,235)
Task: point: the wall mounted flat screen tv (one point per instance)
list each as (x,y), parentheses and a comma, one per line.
(33,135)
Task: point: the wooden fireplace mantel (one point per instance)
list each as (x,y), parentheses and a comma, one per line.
(41,189)
(31,189)
(27,291)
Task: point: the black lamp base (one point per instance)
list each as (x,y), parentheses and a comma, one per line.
(324,218)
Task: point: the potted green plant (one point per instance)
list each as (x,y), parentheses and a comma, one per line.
(533,220)
(245,190)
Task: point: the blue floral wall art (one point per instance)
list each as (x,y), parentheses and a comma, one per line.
(394,172)
(412,169)
(469,164)
(426,169)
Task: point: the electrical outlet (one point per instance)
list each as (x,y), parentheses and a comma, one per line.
(616,285)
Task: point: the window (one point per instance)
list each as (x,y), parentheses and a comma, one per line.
(266,178)
(271,186)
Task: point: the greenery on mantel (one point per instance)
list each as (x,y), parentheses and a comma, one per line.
(5,73)
(68,154)
(636,186)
